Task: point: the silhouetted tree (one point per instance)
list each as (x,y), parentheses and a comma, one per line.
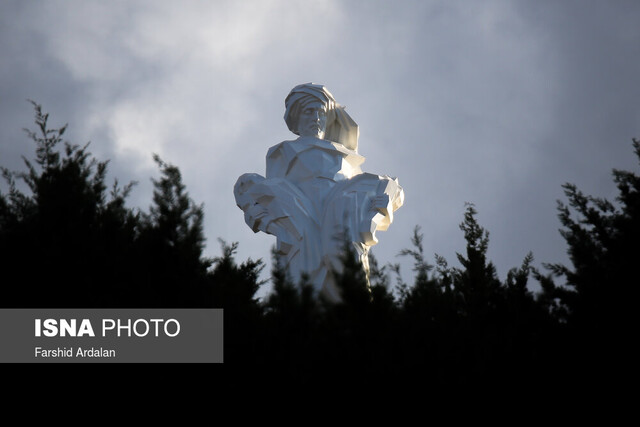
(233,287)
(59,244)
(68,242)
(596,302)
(291,327)
(428,317)
(170,244)
(466,322)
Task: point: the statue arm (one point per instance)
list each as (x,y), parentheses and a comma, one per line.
(256,217)
(382,203)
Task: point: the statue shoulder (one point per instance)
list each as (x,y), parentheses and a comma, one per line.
(278,158)
(278,149)
(274,149)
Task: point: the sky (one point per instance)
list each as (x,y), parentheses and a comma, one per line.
(497,103)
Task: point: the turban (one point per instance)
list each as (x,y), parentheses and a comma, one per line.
(342,129)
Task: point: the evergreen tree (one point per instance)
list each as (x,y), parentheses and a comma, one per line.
(292,327)
(60,245)
(170,244)
(68,242)
(466,322)
(596,300)
(476,285)
(233,288)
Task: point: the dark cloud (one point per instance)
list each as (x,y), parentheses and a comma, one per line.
(496,103)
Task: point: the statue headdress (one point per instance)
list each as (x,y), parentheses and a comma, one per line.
(342,129)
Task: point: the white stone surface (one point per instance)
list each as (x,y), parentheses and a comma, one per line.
(315,196)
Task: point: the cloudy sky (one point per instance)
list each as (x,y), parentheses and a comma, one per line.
(492,102)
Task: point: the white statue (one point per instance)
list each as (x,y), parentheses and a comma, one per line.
(315,196)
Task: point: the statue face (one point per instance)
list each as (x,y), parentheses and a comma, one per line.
(312,120)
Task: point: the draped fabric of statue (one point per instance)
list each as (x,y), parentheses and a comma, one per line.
(315,197)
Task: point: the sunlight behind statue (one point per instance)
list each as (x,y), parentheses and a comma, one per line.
(315,197)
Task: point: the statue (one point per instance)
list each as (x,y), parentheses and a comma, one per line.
(314,196)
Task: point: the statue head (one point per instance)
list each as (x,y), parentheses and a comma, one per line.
(242,187)
(311,110)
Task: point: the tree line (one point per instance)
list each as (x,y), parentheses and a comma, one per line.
(68,239)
